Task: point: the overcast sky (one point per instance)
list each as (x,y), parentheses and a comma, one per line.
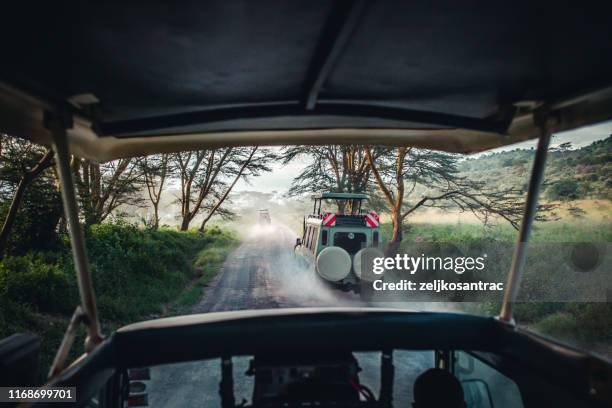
(279,179)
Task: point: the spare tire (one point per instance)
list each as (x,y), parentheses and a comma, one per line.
(333,264)
(369,252)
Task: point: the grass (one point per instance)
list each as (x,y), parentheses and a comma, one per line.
(136,273)
(547,275)
(207,264)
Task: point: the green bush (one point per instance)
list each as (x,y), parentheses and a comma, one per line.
(558,325)
(578,323)
(594,319)
(29,280)
(14,317)
(529,312)
(135,271)
(564,190)
(36,221)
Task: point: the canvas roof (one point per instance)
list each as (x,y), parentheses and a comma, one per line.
(157,76)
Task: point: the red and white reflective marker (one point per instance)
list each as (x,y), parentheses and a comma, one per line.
(329,219)
(372,220)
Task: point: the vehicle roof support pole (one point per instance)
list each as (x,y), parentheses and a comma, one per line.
(531,207)
(226,386)
(387,376)
(88,300)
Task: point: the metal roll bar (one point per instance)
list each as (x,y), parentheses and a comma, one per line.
(57,125)
(531,207)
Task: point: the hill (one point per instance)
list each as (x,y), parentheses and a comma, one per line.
(570,173)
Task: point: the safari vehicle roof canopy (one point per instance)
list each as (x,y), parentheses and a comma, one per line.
(136,79)
(340,196)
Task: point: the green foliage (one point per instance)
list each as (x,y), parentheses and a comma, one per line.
(30,280)
(531,312)
(582,173)
(578,323)
(208,262)
(211,256)
(595,320)
(14,317)
(135,271)
(565,189)
(40,207)
(465,233)
(35,226)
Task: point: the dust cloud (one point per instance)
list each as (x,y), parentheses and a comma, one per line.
(293,281)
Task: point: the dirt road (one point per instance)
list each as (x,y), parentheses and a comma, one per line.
(263,273)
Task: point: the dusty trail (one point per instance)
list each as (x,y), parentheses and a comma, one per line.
(263,273)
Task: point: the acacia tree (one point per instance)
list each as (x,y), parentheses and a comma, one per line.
(332,168)
(400,170)
(156,170)
(105,187)
(208,176)
(21,164)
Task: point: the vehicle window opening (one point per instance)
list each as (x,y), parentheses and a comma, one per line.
(482,382)
(271,377)
(314,238)
(324,237)
(311,237)
(306,236)
(351,242)
(375,239)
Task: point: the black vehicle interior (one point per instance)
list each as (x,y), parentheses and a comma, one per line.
(543,374)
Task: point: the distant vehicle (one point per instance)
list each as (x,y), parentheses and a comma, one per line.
(334,241)
(264,217)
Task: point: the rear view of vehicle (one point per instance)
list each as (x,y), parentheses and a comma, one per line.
(335,241)
(264,217)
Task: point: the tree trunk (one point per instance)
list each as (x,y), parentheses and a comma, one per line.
(155,216)
(12,213)
(185,223)
(396,236)
(44,163)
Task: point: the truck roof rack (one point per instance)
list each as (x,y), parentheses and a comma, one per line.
(340,196)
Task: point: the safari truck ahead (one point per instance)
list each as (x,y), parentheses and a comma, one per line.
(335,241)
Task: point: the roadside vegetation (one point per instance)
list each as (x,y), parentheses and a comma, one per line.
(206,264)
(136,272)
(548,275)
